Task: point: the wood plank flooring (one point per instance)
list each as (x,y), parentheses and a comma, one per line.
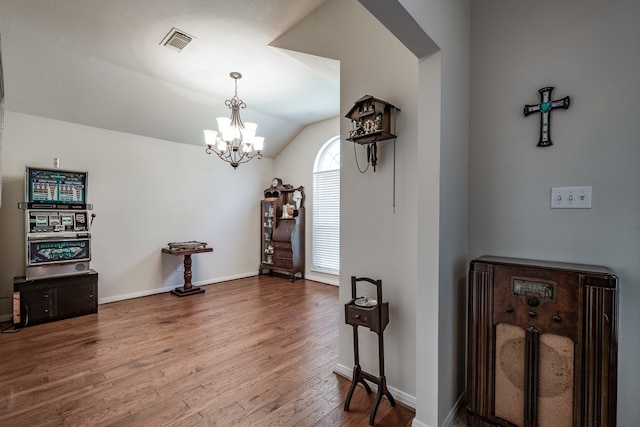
(250,352)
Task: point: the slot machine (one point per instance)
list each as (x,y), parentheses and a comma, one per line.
(57,229)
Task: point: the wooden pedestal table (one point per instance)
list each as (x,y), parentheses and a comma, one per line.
(374,314)
(187,288)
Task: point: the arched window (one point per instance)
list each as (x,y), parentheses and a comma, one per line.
(326,208)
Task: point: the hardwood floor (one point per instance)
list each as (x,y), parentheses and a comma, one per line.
(251,352)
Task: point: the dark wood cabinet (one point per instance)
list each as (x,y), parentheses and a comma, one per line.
(542,344)
(282,223)
(45,300)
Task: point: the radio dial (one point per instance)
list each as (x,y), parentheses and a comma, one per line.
(533,302)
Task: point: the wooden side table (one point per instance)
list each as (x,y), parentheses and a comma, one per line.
(187,288)
(375,316)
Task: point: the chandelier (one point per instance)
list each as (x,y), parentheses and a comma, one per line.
(234,142)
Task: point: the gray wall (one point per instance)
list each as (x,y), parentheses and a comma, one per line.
(444,78)
(420,250)
(589,51)
(375,241)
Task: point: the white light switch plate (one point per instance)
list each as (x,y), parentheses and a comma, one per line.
(570,197)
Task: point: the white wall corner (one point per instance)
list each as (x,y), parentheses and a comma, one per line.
(451,417)
(456,411)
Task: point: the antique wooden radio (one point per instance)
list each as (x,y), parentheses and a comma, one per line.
(542,344)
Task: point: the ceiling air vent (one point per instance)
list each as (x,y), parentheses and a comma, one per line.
(176,39)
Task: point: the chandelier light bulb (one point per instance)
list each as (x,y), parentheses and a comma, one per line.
(258,143)
(210,137)
(249,131)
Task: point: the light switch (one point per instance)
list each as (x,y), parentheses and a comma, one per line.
(570,197)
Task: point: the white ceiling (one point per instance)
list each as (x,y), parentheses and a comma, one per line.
(100,63)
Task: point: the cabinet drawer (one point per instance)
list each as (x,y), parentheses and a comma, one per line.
(358,316)
(78,299)
(40,303)
(375,318)
(285,263)
(283,246)
(283,255)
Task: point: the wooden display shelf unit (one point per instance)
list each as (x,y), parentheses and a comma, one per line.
(282,237)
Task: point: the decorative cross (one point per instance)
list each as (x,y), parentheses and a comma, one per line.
(545,107)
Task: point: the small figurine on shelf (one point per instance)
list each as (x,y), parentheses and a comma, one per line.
(297,198)
(269,254)
(287,211)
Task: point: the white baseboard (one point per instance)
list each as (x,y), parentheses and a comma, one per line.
(329,279)
(8,316)
(132,295)
(148,292)
(398,395)
(417,423)
(451,417)
(409,400)
(455,412)
(122,297)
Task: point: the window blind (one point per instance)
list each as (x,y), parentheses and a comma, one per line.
(326,221)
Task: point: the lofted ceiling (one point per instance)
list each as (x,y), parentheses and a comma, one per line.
(101,63)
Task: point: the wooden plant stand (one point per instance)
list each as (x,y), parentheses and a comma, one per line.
(376,318)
